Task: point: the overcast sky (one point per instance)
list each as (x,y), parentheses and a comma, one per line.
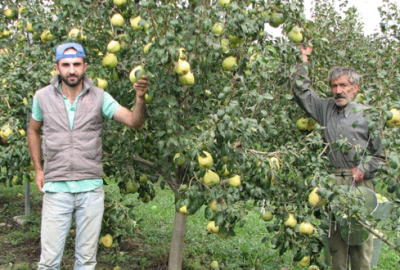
(368,10)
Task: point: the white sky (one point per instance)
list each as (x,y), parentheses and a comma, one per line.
(368,10)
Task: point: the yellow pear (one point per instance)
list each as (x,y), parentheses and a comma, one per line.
(187,79)
(22,10)
(224,3)
(217,29)
(29,28)
(11,14)
(106,240)
(119,3)
(74,33)
(225,45)
(211,228)
(214,265)
(274,163)
(305,261)
(136,74)
(224,172)
(211,178)
(182,67)
(135,23)
(114,46)
(22,132)
(290,221)
(306,228)
(229,63)
(394,121)
(214,205)
(205,162)
(314,199)
(235,181)
(6,132)
(146,48)
(110,60)
(183,210)
(117,20)
(46,36)
(102,83)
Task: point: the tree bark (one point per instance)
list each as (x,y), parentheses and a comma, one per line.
(177,243)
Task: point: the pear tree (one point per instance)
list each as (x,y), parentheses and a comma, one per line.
(221,97)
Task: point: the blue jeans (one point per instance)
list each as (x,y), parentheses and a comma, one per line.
(57,213)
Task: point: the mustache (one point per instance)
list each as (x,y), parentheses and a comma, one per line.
(340,96)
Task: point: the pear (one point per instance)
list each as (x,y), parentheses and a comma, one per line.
(295,34)
(182,67)
(101,83)
(135,23)
(217,29)
(229,63)
(305,261)
(306,228)
(314,199)
(106,240)
(268,216)
(110,60)
(277,18)
(117,20)
(136,74)
(131,186)
(183,210)
(179,159)
(214,265)
(394,120)
(235,181)
(211,178)
(187,79)
(211,228)
(146,48)
(291,221)
(114,46)
(205,162)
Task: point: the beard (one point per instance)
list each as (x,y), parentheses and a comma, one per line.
(72,80)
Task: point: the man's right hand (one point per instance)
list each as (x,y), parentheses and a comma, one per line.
(305,51)
(39,180)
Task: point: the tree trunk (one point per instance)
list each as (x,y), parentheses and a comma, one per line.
(177,243)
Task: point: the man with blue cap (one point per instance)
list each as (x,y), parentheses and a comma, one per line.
(71,111)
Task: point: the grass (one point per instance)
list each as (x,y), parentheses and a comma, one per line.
(148,248)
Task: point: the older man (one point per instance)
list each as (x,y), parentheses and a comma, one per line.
(71,111)
(340,121)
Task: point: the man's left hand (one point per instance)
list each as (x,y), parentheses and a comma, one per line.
(357,175)
(141,87)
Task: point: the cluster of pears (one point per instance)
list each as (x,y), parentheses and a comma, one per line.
(276,17)
(212,178)
(182,69)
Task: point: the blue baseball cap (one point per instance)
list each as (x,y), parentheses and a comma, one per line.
(63,47)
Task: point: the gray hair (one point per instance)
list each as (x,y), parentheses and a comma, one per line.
(352,75)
